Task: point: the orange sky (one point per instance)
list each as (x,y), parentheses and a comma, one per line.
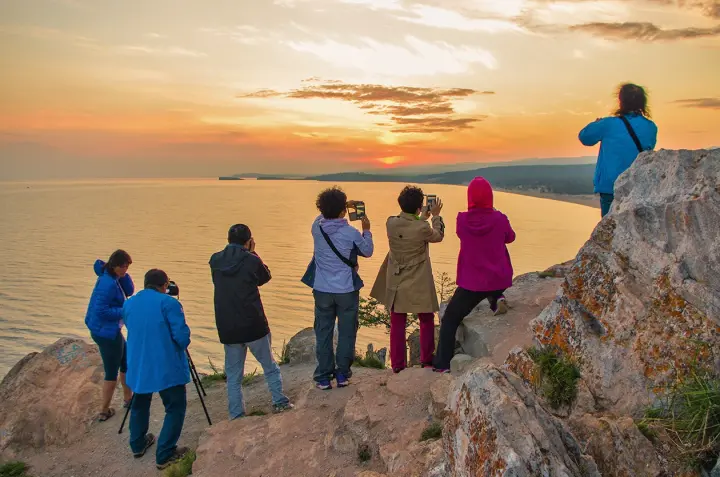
(93,88)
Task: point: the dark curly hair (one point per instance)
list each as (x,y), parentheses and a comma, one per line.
(331,202)
(411,199)
(632,99)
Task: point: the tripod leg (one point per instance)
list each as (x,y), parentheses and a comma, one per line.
(194,370)
(198,386)
(127,411)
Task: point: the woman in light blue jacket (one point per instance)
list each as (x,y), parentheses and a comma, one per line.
(622,137)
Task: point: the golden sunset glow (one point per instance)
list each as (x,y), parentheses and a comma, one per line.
(186,88)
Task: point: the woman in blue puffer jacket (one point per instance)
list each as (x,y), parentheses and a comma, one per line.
(622,137)
(104,320)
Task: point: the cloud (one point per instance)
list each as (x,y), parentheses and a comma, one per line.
(243,34)
(418,58)
(703,103)
(409,109)
(644,31)
(158,51)
(451,19)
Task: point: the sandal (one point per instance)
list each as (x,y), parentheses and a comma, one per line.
(104,416)
(149,441)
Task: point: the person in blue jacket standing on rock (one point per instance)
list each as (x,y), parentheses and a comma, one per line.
(157,363)
(104,320)
(622,137)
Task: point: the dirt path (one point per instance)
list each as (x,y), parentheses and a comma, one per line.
(104,452)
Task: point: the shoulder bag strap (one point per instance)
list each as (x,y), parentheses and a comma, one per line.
(345,260)
(632,133)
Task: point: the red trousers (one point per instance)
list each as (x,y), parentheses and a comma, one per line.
(398,351)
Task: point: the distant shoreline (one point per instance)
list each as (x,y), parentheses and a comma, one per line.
(584,199)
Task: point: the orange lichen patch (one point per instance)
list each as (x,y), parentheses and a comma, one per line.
(673,337)
(522,364)
(483,458)
(557,332)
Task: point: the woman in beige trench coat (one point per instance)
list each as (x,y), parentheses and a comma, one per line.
(405,283)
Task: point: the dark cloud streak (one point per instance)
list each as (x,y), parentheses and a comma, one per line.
(410,109)
(703,103)
(644,31)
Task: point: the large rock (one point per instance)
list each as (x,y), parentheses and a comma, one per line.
(642,301)
(381,415)
(497,427)
(413,342)
(51,397)
(617,446)
(483,334)
(301,347)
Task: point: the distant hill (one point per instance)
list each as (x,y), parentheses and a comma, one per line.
(468,166)
(575,179)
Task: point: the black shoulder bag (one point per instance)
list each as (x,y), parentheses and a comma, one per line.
(345,260)
(632,134)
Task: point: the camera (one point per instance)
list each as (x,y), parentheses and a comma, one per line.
(430,201)
(357,212)
(173,289)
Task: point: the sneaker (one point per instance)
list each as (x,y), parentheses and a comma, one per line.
(323,385)
(501,308)
(342,381)
(178,454)
(441,370)
(278,408)
(149,441)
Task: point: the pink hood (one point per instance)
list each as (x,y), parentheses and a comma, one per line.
(480,194)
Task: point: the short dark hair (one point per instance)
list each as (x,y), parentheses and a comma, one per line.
(156,279)
(632,99)
(118,258)
(239,234)
(411,199)
(331,202)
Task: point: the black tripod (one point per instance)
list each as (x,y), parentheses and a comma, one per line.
(198,387)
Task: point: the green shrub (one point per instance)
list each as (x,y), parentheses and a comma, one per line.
(433,431)
(368,362)
(14,469)
(218,375)
(183,467)
(557,376)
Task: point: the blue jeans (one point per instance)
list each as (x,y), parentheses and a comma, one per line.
(344,307)
(606,201)
(175,401)
(235,369)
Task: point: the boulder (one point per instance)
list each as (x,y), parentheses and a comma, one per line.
(617,446)
(51,397)
(496,426)
(413,342)
(641,303)
(301,347)
(482,334)
(460,363)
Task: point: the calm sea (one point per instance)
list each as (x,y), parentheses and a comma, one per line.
(52,232)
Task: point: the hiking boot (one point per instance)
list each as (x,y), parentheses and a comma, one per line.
(342,381)
(149,441)
(501,307)
(278,408)
(323,385)
(178,454)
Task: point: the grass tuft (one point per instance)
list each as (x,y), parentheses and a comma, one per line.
(433,431)
(557,375)
(258,412)
(284,357)
(182,468)
(14,469)
(218,375)
(368,362)
(364,453)
(690,417)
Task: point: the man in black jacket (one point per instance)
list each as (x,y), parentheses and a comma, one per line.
(237,273)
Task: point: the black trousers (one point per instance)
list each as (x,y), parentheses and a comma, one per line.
(461,304)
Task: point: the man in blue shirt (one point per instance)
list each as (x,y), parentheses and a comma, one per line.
(336,285)
(157,339)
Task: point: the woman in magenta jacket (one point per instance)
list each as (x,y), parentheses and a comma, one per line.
(484,270)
